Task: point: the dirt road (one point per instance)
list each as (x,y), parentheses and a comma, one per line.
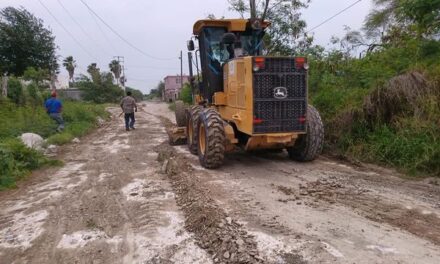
(112,202)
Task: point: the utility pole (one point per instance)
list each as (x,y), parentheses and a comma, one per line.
(122,79)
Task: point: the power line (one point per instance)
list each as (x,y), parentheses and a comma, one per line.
(80,27)
(337,14)
(152,68)
(142,80)
(67,31)
(102,32)
(121,37)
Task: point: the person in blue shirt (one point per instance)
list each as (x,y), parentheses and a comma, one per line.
(54,107)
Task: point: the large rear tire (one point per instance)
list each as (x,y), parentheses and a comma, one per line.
(211,139)
(308,146)
(180,114)
(192,122)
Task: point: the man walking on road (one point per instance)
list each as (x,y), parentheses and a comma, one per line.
(128,105)
(54,107)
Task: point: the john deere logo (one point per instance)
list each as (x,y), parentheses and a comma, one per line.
(280,92)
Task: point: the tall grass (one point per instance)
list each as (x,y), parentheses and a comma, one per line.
(383,108)
(16,160)
(80,118)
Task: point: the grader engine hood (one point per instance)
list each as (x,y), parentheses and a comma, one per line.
(280,95)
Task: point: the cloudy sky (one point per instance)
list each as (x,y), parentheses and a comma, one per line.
(159,28)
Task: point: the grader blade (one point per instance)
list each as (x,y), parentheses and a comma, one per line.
(177,136)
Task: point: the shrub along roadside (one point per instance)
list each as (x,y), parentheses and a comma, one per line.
(383,108)
(16,160)
(80,118)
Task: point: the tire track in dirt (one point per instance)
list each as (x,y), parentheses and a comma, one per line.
(107,205)
(220,235)
(227,240)
(425,225)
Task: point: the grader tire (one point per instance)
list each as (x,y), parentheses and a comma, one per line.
(308,146)
(192,121)
(180,114)
(211,139)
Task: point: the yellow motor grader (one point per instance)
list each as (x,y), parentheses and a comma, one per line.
(243,98)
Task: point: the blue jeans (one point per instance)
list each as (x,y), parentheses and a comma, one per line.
(129,120)
(59,119)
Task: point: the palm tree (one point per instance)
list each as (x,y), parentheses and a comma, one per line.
(70,64)
(93,70)
(115,68)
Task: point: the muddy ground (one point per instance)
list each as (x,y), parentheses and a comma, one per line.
(128,197)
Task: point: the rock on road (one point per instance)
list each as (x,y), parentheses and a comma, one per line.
(110,203)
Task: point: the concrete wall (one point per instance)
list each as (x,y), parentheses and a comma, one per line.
(73,94)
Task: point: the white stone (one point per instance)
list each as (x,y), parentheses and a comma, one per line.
(76,140)
(100,121)
(32,140)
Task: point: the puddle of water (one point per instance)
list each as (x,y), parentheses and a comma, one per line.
(24,230)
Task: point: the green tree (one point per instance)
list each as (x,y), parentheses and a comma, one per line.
(70,64)
(115,68)
(36,75)
(423,14)
(15,91)
(94,72)
(101,90)
(286,35)
(393,21)
(25,42)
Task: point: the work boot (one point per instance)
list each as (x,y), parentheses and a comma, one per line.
(133,128)
(127,129)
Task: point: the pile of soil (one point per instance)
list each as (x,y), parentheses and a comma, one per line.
(216,232)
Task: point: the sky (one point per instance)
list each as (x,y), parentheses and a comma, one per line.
(158,28)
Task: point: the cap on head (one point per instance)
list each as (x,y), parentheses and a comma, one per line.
(53,94)
(128,93)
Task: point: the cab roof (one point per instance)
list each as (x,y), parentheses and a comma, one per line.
(237,25)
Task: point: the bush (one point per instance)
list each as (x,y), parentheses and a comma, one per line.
(21,119)
(172,106)
(17,160)
(100,91)
(80,118)
(382,108)
(15,91)
(186,94)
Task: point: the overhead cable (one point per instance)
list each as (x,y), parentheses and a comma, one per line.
(67,31)
(121,37)
(337,14)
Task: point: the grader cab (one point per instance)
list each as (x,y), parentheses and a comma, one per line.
(242,98)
